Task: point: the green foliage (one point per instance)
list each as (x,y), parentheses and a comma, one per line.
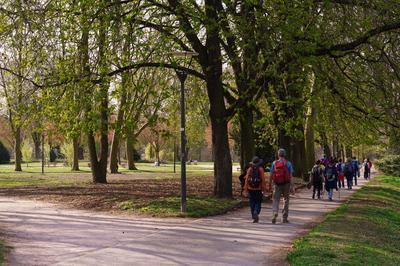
(389,165)
(27,152)
(166,155)
(171,206)
(4,154)
(149,152)
(365,231)
(67,149)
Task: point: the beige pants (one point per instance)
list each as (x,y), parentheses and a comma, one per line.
(278,191)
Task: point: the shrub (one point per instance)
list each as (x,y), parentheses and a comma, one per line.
(4,154)
(389,165)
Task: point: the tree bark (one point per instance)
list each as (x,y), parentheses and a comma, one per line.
(17,148)
(75,161)
(284,142)
(298,159)
(36,137)
(218,115)
(349,151)
(247,147)
(129,154)
(114,154)
(325,145)
(98,161)
(310,137)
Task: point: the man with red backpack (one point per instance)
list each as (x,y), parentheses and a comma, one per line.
(255,186)
(282,178)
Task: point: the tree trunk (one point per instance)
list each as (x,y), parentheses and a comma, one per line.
(18,154)
(310,138)
(349,151)
(298,156)
(114,154)
(335,147)
(247,148)
(325,145)
(157,151)
(284,142)
(222,158)
(75,161)
(129,154)
(99,163)
(37,143)
(219,125)
(212,68)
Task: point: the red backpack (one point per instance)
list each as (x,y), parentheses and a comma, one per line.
(280,173)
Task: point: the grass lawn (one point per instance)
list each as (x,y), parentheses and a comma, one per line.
(365,231)
(3,251)
(197,206)
(150,190)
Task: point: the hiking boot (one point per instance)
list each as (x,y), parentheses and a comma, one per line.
(285,221)
(274,218)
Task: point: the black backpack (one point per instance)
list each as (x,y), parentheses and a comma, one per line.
(254,178)
(317,174)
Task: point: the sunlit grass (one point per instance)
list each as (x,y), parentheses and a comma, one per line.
(365,231)
(171,206)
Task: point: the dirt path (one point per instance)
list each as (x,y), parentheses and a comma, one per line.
(45,234)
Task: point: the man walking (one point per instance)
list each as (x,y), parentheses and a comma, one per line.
(356,169)
(282,178)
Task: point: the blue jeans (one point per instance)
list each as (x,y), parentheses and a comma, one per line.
(330,193)
(255,199)
(349,181)
(355,177)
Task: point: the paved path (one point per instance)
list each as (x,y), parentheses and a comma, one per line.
(44,234)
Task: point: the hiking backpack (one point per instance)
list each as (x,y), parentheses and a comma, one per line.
(348,170)
(280,173)
(316,174)
(354,165)
(254,178)
(330,173)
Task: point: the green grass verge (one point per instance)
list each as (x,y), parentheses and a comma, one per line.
(3,251)
(365,231)
(171,206)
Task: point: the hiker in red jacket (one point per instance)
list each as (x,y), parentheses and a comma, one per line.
(282,178)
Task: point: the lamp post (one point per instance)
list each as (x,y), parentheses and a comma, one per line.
(182,75)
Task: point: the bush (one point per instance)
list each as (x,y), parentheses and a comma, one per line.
(390,165)
(4,154)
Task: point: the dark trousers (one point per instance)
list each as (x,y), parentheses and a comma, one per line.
(355,177)
(255,199)
(349,181)
(318,190)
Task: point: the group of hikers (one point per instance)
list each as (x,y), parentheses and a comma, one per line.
(331,172)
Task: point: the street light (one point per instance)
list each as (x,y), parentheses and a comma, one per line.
(185,58)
